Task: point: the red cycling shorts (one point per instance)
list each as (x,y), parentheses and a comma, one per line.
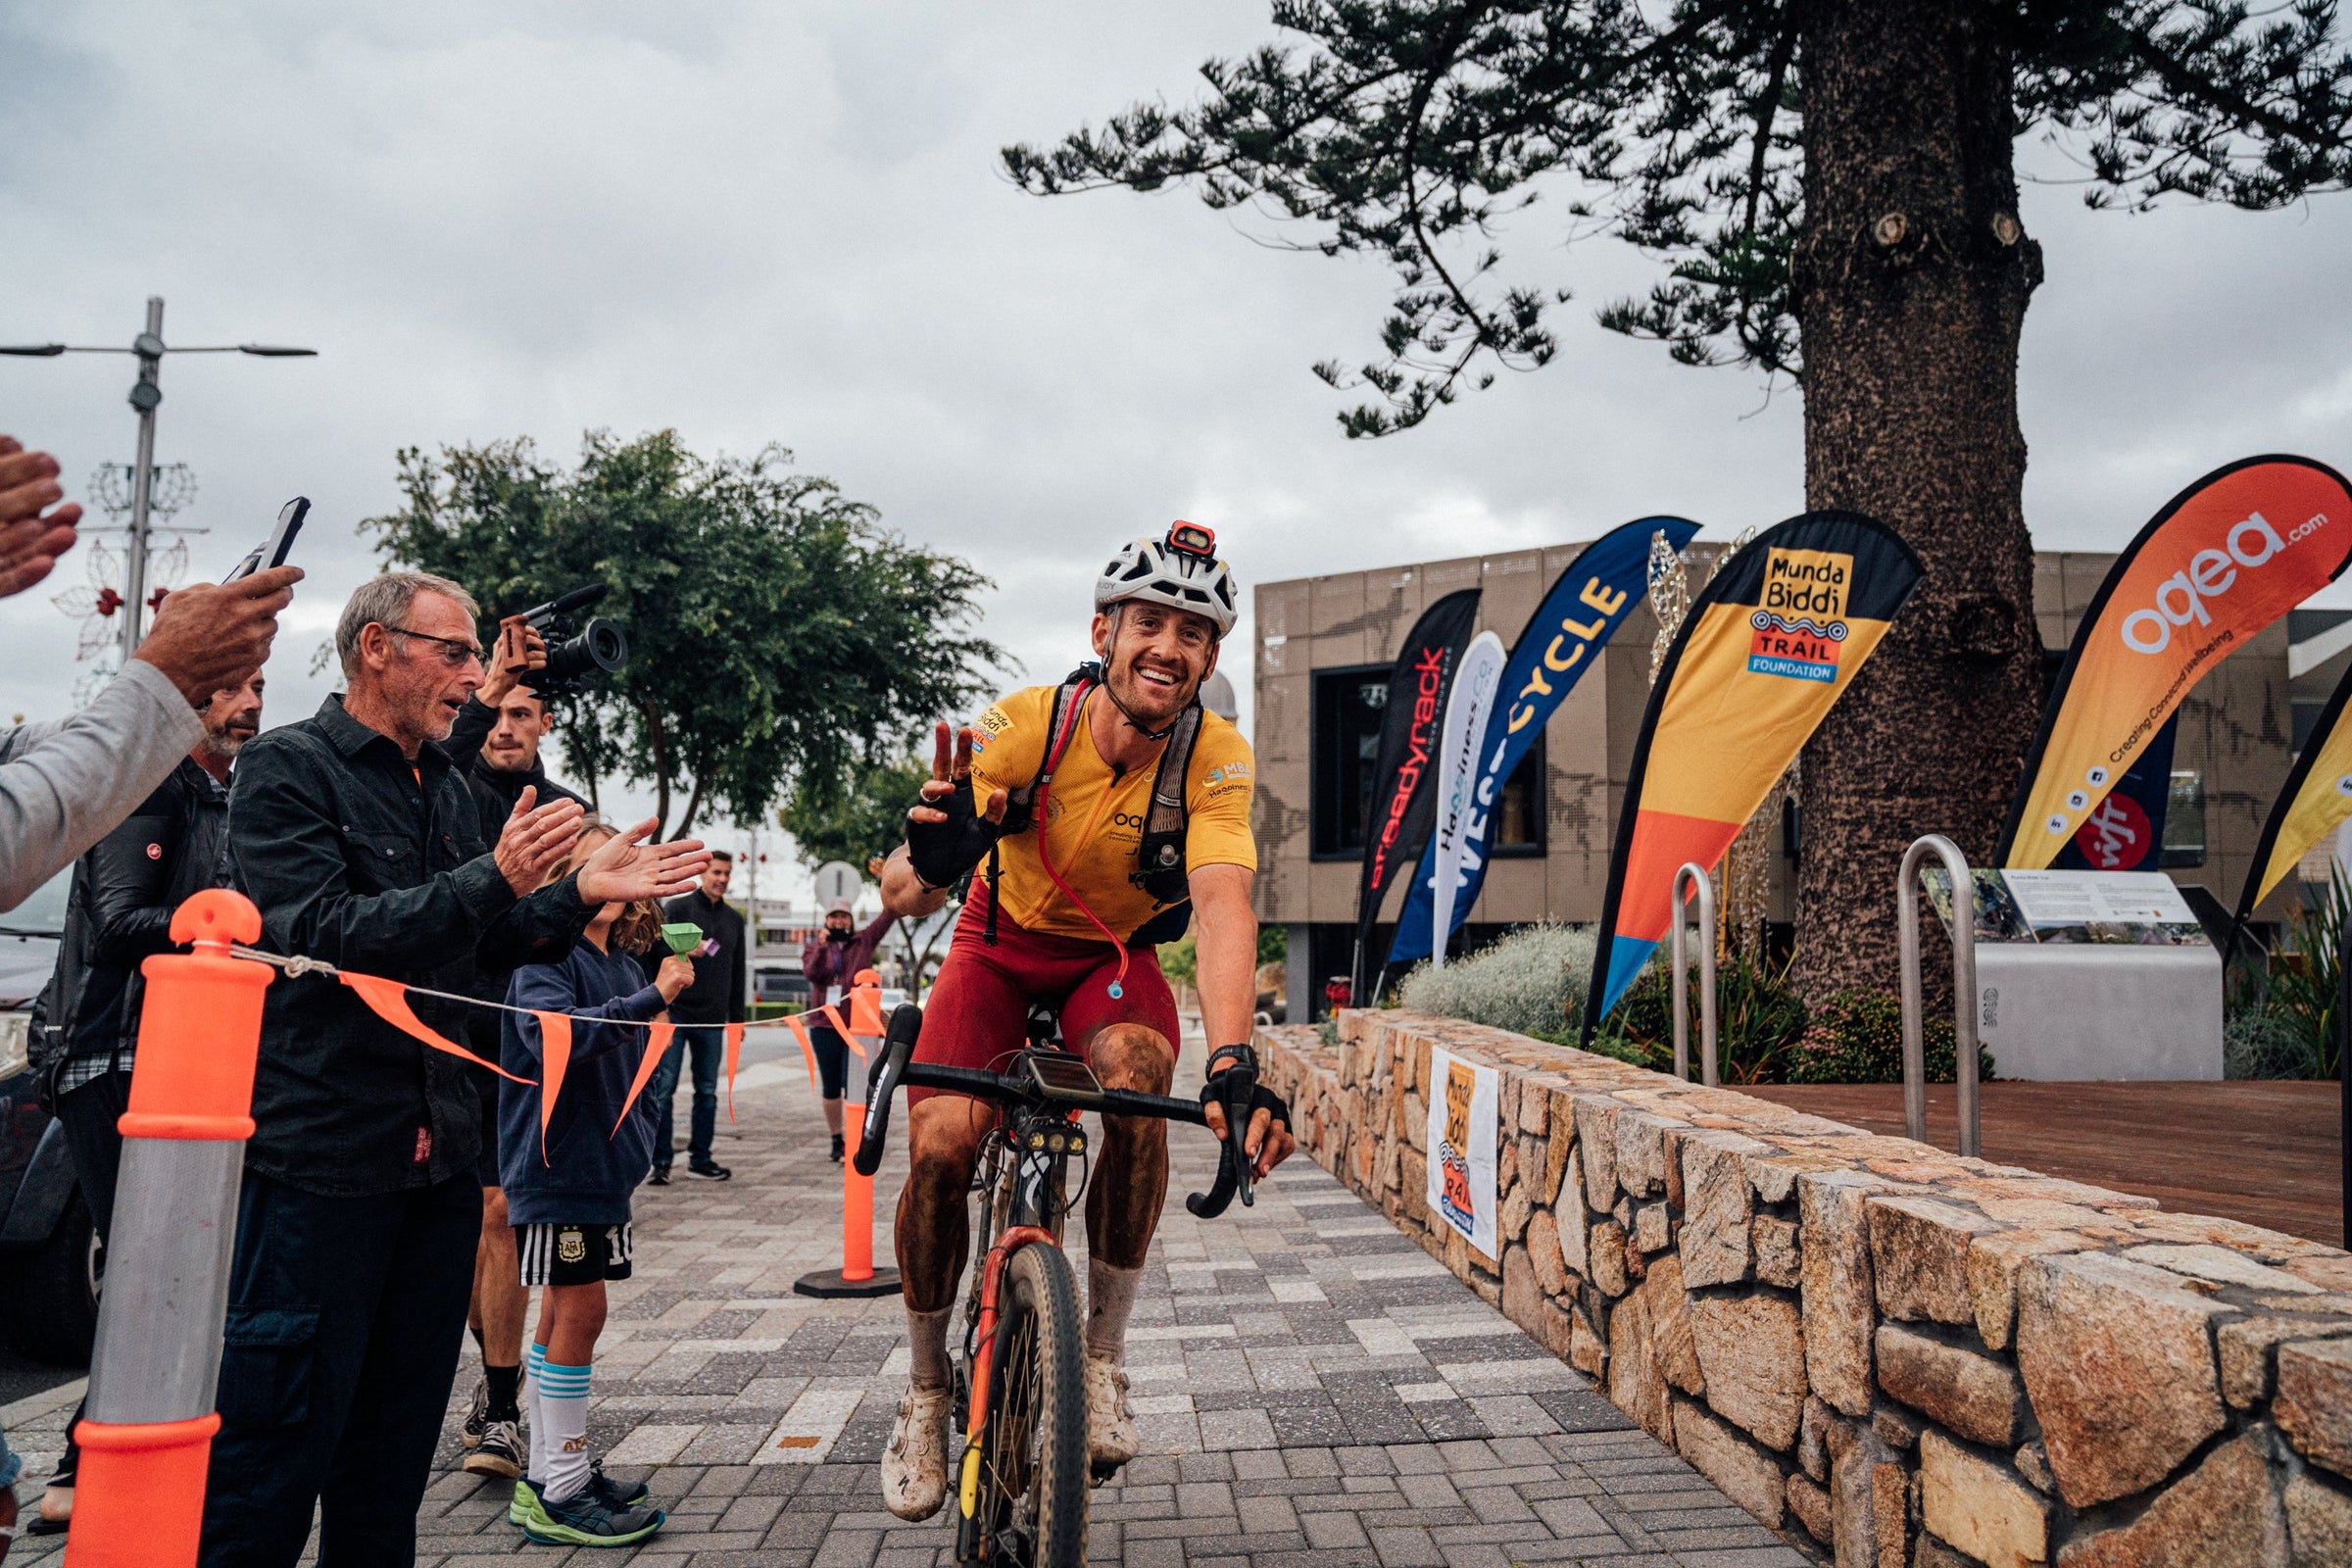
(977,1012)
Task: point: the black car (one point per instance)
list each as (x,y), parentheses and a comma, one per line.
(50,1261)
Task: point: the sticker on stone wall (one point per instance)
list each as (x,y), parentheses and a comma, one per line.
(1462,1132)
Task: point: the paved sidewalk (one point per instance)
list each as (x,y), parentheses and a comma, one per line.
(1313,1389)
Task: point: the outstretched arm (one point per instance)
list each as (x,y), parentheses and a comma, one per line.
(904,891)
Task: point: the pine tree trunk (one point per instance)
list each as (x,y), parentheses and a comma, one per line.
(1911,282)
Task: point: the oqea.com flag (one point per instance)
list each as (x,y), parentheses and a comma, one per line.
(1770,642)
(1589,601)
(2223,559)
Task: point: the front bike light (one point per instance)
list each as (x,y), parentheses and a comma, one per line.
(1077,1142)
(1037,1140)
(1055,1142)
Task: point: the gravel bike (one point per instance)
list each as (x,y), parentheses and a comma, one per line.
(1021,1480)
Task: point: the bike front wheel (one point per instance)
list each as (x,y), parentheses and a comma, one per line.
(1033,1481)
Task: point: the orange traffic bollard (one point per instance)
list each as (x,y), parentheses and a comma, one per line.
(857,1275)
(148,1432)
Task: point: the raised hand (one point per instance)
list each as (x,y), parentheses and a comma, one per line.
(625,868)
(212,636)
(520,649)
(950,768)
(33,530)
(535,840)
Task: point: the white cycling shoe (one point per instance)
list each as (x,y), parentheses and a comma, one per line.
(914,1467)
(1112,1439)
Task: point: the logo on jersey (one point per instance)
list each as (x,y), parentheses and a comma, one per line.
(1227,773)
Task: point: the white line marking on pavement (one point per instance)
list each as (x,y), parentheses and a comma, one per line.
(810,1428)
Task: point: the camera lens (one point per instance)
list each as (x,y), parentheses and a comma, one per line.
(608,646)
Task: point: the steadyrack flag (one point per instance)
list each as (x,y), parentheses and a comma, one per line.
(1770,642)
(1561,641)
(1459,747)
(2223,559)
(1418,684)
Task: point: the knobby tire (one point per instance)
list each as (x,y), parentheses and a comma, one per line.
(1033,1461)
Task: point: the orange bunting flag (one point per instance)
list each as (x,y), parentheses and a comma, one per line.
(657,1042)
(843,1030)
(734,1051)
(389,1001)
(555,1055)
(799,1031)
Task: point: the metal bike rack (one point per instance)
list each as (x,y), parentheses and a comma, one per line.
(1692,871)
(1964,988)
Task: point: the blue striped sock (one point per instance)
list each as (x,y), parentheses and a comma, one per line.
(564,1406)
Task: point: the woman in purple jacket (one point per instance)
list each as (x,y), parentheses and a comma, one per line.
(829,964)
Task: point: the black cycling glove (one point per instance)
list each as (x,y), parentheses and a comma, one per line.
(1244,1060)
(942,853)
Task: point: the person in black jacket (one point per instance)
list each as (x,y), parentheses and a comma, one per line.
(714,1000)
(361,1202)
(495,746)
(119,912)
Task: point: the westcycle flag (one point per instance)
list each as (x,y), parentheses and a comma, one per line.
(1770,644)
(1460,742)
(1562,639)
(2223,559)
(1418,684)
(2314,802)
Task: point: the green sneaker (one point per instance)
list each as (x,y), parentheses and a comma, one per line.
(524,1509)
(588,1519)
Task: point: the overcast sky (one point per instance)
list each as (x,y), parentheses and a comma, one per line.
(785,224)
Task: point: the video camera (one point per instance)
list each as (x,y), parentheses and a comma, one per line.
(600,647)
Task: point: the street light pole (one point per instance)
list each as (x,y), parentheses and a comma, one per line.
(146,396)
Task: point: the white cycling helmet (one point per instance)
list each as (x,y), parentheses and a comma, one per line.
(1180,570)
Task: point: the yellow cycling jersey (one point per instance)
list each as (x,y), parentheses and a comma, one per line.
(1094,819)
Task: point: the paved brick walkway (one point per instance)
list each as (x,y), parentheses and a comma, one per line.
(1313,1390)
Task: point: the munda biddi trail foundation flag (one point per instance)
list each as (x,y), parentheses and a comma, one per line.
(2315,801)
(1770,644)
(2223,559)
(1562,639)
(1401,777)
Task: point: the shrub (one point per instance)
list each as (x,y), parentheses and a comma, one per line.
(2301,991)
(1758,1020)
(1856,1037)
(1531,982)
(2262,1042)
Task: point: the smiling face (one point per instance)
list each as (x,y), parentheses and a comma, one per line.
(408,686)
(1155,658)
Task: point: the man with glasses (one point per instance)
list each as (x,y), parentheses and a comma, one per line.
(356,1228)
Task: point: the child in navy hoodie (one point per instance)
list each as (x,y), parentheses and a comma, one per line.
(570,1203)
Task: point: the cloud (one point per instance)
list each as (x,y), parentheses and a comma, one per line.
(762,224)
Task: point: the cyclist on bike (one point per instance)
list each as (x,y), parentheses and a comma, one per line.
(1053,788)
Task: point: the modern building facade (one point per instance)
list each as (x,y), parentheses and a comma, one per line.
(1325,645)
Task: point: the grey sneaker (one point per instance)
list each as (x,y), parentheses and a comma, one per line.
(500,1453)
(477,1415)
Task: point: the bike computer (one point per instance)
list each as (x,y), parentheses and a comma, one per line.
(1061,1078)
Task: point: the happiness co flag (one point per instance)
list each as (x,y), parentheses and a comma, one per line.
(1561,642)
(2223,559)
(1460,746)
(2316,801)
(1767,648)
(1418,685)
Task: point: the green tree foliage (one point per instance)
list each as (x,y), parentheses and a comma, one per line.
(779,635)
(1414,130)
(858,818)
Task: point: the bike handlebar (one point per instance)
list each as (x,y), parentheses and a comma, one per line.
(893,1069)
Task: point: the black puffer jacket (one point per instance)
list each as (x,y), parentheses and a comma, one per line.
(119,912)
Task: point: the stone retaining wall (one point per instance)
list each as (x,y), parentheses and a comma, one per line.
(1922,1360)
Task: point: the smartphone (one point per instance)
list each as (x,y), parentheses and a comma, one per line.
(273,551)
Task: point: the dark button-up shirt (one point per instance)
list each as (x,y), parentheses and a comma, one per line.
(375,865)
(717,995)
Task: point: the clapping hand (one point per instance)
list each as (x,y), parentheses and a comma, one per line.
(625,868)
(535,840)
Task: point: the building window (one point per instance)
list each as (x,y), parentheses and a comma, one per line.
(1347,714)
(1348,708)
(2184,819)
(1519,814)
